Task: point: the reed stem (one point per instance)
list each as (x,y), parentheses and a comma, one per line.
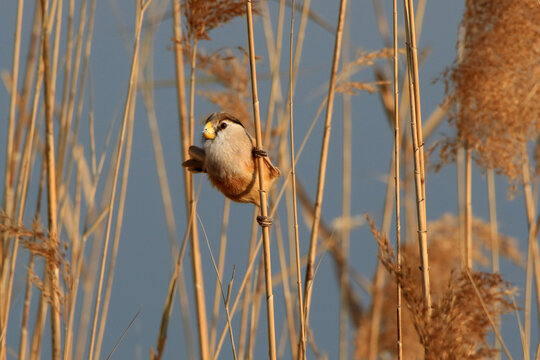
(310,268)
(418,152)
(399,341)
(263,206)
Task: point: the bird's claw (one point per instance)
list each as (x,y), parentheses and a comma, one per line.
(264,221)
(258,152)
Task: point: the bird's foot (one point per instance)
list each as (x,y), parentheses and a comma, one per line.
(264,221)
(258,152)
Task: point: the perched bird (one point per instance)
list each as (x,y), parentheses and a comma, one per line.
(228,156)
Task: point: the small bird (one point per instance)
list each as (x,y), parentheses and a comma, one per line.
(228,156)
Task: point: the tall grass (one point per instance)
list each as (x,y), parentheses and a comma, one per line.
(65,199)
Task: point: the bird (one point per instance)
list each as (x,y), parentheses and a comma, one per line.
(229,157)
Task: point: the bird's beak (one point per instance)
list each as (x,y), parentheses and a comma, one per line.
(209,132)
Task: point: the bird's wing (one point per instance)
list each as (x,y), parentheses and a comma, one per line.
(197,153)
(196,163)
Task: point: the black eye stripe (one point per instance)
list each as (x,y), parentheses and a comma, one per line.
(223,124)
(234,120)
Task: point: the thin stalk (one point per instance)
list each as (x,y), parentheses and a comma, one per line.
(23,342)
(28,292)
(10,165)
(8,182)
(20,194)
(494,233)
(345,206)
(274,53)
(310,268)
(117,228)
(185,142)
(256,310)
(416,130)
(263,206)
(484,307)
(31,58)
(39,325)
(220,267)
(247,292)
(129,98)
(180,89)
(42,304)
(399,341)
(79,248)
(68,115)
(167,309)
(287,298)
(198,282)
(460,177)
(412,48)
(51,268)
(533,262)
(468,208)
(220,284)
(301,351)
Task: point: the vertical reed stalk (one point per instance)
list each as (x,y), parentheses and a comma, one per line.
(180,87)
(468,208)
(345,207)
(52,267)
(167,309)
(493,221)
(21,194)
(184,136)
(418,145)
(310,268)
(274,53)
(8,182)
(220,267)
(399,344)
(118,226)
(495,268)
(8,185)
(301,350)
(460,178)
(532,256)
(198,282)
(263,207)
(247,292)
(287,297)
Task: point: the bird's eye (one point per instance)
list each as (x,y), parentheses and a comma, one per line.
(223,125)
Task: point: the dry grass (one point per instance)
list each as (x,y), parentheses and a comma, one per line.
(494,87)
(492,94)
(457,328)
(230,72)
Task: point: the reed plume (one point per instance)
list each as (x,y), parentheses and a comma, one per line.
(494,87)
(457,327)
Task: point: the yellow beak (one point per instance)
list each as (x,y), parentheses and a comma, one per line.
(209,132)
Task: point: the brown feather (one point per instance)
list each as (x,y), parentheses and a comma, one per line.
(197,153)
(194,165)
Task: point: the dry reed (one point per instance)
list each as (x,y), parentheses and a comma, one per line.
(70,276)
(263,196)
(310,268)
(457,327)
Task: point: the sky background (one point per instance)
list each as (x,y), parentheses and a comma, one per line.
(144,262)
